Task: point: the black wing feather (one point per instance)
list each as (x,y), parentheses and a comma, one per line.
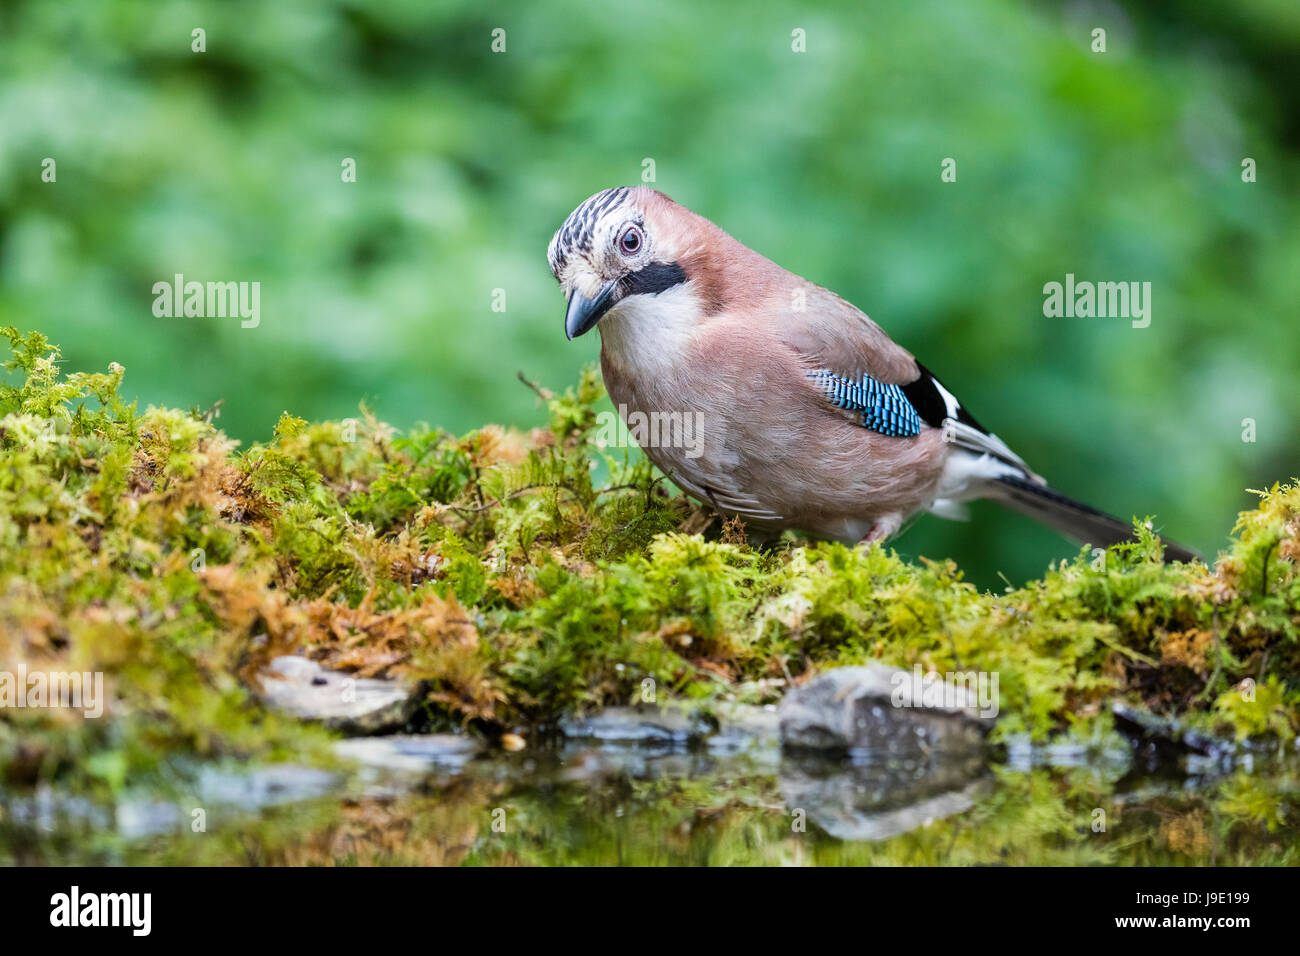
(928,400)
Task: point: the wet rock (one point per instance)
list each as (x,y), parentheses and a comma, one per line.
(222,791)
(46,809)
(1158,738)
(411,753)
(265,785)
(1109,757)
(745,729)
(636,725)
(879,800)
(352,705)
(883,711)
(136,818)
(726,729)
(606,764)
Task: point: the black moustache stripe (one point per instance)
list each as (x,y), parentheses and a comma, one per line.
(655,278)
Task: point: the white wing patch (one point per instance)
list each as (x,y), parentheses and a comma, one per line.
(949,399)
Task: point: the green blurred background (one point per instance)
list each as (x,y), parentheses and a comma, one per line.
(225,165)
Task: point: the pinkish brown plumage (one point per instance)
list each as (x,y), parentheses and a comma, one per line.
(810,417)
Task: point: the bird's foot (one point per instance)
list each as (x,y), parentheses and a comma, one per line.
(882,529)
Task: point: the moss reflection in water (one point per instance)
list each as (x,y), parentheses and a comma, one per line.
(1040,817)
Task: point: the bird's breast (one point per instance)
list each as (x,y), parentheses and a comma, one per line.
(651,335)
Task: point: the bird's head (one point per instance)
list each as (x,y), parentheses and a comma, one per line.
(616,245)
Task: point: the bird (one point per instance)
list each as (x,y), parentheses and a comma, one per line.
(809,416)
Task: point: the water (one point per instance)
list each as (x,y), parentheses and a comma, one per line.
(433,802)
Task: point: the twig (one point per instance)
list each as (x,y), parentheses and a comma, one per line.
(214,411)
(545,394)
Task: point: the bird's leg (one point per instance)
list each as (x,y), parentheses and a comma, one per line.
(882,529)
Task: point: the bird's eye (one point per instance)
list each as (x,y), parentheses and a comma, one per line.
(630,242)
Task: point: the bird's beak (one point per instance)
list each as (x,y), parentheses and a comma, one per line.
(584,313)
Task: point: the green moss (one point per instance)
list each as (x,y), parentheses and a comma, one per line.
(147,547)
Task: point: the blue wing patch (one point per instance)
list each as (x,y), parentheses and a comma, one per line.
(884,408)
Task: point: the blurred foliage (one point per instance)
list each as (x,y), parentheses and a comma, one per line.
(492,569)
(225,165)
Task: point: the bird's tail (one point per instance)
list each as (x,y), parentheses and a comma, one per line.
(1070,517)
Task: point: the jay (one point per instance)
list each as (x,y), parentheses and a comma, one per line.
(811,417)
